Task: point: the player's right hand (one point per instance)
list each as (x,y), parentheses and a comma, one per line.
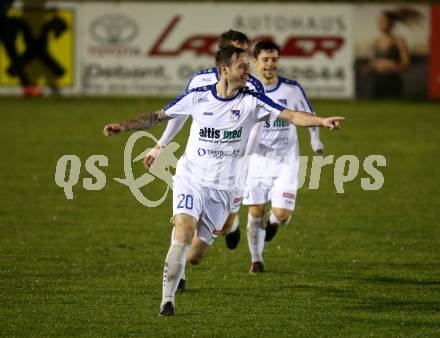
(112,129)
(333,122)
(152,155)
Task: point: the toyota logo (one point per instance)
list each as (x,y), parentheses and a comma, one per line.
(113,29)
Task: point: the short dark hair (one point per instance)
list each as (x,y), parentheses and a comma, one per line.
(265,45)
(405,15)
(225,56)
(230,36)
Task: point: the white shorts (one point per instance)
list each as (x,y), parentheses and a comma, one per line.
(210,207)
(281,189)
(263,190)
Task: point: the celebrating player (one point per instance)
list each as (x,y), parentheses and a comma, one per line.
(201,78)
(204,184)
(274,163)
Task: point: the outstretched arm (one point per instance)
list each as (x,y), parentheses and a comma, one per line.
(173,127)
(144,121)
(302,119)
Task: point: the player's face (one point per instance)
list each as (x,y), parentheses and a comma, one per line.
(267,64)
(238,72)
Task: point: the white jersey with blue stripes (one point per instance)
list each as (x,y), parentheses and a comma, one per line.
(280,137)
(202,78)
(219,132)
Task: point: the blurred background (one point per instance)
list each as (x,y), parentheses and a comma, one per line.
(363,263)
(149,48)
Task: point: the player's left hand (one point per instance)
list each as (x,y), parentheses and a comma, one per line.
(152,155)
(112,129)
(333,122)
(317,146)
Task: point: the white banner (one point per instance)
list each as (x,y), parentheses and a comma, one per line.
(153,49)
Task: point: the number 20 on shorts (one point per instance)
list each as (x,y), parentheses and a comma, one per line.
(185,201)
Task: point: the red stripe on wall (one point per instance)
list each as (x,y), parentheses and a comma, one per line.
(434,60)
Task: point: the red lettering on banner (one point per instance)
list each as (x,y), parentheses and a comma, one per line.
(307,46)
(295,46)
(156,48)
(200,44)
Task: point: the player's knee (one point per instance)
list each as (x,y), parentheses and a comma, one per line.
(184,230)
(283,215)
(194,259)
(256,211)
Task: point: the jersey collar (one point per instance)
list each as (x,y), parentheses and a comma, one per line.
(214,93)
(275,88)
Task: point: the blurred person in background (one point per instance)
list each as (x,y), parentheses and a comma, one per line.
(391,55)
(43,25)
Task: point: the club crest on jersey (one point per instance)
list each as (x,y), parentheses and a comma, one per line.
(235,113)
(283,101)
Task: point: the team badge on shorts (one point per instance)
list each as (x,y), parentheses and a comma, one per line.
(289,195)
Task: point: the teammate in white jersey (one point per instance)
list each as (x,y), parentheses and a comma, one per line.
(223,116)
(203,78)
(274,162)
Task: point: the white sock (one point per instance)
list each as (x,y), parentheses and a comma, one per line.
(182,275)
(256,234)
(235,224)
(172,270)
(274,220)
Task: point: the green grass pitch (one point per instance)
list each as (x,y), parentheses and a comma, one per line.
(359,264)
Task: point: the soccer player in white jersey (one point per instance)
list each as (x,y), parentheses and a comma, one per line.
(203,78)
(204,194)
(274,162)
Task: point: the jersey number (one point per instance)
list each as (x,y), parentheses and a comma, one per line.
(188,201)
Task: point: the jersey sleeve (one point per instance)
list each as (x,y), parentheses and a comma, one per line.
(266,109)
(255,84)
(193,83)
(173,127)
(202,78)
(181,105)
(304,103)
